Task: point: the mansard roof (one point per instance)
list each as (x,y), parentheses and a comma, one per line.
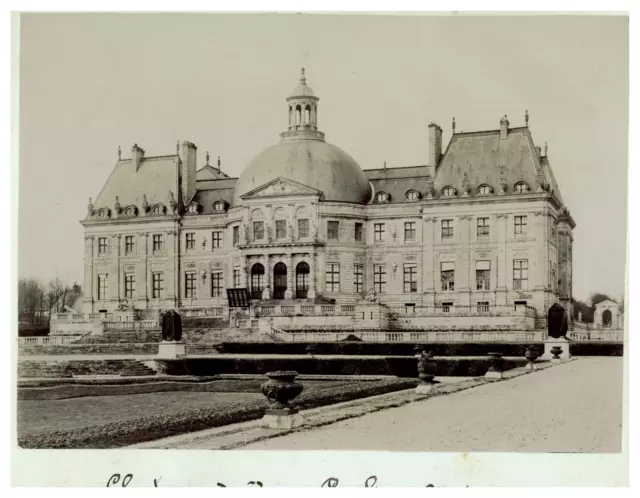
(155,177)
(485,157)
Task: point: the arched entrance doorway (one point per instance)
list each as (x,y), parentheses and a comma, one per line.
(257,281)
(606,318)
(279,280)
(302,280)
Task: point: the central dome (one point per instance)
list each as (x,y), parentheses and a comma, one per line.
(313,163)
(304,157)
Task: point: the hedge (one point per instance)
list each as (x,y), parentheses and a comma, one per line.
(127,432)
(399,366)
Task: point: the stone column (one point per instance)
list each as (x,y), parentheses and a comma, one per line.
(464,258)
(268,273)
(172,270)
(501,290)
(142,286)
(115,278)
(540,275)
(288,294)
(429,275)
(312,276)
(89,287)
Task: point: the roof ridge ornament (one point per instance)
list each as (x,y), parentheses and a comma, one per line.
(119,153)
(546,147)
(453,124)
(526,117)
(207,158)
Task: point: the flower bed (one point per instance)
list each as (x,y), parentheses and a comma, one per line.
(125,432)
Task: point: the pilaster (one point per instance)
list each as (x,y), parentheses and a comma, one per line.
(464,286)
(429,275)
(288,294)
(502,271)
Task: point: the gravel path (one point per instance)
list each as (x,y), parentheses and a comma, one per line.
(575,407)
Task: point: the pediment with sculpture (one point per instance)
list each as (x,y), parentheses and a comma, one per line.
(281,187)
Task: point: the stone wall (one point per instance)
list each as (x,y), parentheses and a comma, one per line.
(67,369)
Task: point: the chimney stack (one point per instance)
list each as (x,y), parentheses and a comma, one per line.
(188,170)
(435,148)
(137,154)
(504,127)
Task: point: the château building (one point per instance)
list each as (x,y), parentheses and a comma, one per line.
(480,227)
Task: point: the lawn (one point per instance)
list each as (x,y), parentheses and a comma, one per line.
(118,420)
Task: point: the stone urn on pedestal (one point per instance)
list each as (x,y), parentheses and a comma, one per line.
(280,390)
(531,354)
(427,368)
(496,367)
(556,351)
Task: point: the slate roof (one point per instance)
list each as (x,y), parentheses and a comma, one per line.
(397,181)
(156,176)
(208,172)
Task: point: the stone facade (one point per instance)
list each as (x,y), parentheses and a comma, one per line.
(481,226)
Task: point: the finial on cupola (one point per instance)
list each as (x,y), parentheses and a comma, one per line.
(526,117)
(207,158)
(453,124)
(303,78)
(119,152)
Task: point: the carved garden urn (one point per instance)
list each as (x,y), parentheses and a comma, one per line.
(426,367)
(281,389)
(556,351)
(496,365)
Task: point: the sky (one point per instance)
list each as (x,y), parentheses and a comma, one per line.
(92,82)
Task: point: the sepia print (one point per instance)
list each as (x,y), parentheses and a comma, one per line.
(200,267)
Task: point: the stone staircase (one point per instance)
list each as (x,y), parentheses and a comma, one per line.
(67,369)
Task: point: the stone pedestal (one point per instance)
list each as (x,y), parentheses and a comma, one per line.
(425,388)
(561,342)
(492,375)
(170,350)
(286,418)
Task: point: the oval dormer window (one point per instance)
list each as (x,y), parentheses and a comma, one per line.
(158,209)
(448,192)
(219,206)
(103,213)
(382,197)
(413,195)
(130,211)
(521,188)
(484,190)
(193,208)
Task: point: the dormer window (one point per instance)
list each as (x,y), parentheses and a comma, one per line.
(219,206)
(413,195)
(448,191)
(158,209)
(382,197)
(103,213)
(484,190)
(193,208)
(521,188)
(130,211)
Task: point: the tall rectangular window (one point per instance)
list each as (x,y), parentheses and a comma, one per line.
(358,278)
(447,275)
(447,229)
(358,232)
(102,245)
(333,277)
(236,235)
(303,228)
(409,230)
(258,230)
(216,284)
(332,230)
(128,244)
(483,306)
(157,242)
(520,274)
(103,287)
(483,273)
(129,285)
(380,279)
(519,224)
(190,284)
(216,240)
(483,227)
(158,285)
(410,277)
(190,241)
(281,229)
(236,278)
(378,232)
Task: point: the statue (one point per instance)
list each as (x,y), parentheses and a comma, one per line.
(557,321)
(90,208)
(245,229)
(291,232)
(372,297)
(171,326)
(172,201)
(125,305)
(145,205)
(580,316)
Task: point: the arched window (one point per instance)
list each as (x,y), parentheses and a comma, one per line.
(298,115)
(219,206)
(257,281)
(413,195)
(382,197)
(193,208)
(307,115)
(484,189)
(448,191)
(302,280)
(521,188)
(158,209)
(130,211)
(103,213)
